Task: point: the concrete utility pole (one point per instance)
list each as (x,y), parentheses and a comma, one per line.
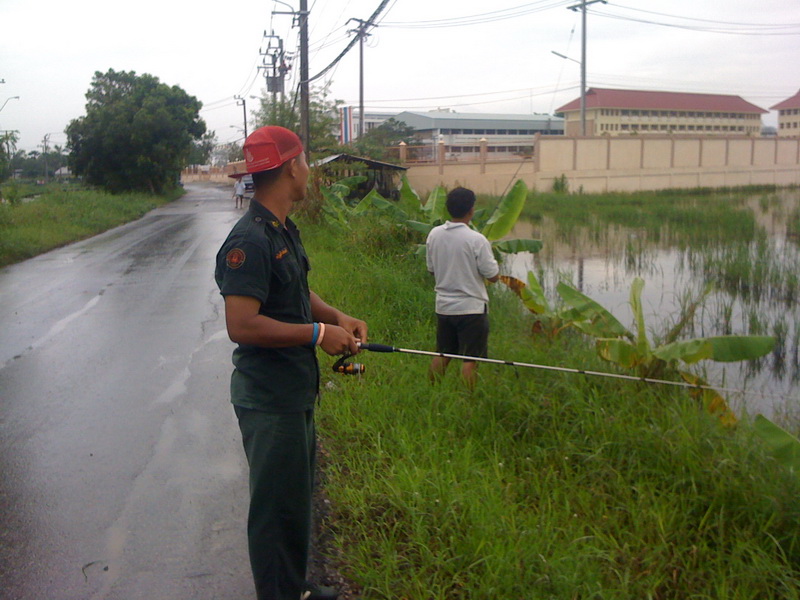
(301,17)
(305,116)
(44,143)
(361,32)
(583,4)
(243,103)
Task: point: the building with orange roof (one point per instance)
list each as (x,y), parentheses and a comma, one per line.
(788,116)
(625,112)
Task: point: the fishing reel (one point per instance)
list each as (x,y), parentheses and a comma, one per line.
(347,368)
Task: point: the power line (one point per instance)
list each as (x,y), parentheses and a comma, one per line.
(489,17)
(352,43)
(750,24)
(703,29)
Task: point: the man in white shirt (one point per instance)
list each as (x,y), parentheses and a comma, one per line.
(238,193)
(460,258)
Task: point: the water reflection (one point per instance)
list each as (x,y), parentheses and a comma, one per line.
(752,259)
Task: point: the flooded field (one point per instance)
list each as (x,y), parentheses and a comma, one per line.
(747,246)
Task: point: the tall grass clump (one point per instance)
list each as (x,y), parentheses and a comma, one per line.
(695,217)
(537,484)
(58,217)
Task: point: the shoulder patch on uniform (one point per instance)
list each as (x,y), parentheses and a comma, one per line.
(281,253)
(235,258)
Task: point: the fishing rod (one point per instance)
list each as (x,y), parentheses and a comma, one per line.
(348,368)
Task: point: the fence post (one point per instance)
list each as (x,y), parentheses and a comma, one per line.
(440,156)
(484,153)
(403,153)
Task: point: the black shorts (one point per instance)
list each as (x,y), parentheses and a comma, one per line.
(463,334)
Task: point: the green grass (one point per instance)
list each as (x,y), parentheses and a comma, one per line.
(680,216)
(537,484)
(60,216)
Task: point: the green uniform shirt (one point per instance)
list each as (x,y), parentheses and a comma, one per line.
(265,260)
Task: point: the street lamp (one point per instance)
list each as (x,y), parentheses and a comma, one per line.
(243,103)
(7,99)
(583,89)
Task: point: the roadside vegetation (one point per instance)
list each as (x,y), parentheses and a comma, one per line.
(538,484)
(38,218)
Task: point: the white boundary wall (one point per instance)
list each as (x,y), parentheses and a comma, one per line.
(627,164)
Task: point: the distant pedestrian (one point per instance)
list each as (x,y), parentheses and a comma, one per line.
(238,193)
(460,258)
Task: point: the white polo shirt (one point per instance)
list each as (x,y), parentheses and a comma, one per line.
(460,259)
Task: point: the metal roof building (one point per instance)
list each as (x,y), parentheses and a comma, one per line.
(463,133)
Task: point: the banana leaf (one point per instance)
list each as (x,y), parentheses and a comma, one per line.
(507,212)
(368,202)
(515,246)
(421,227)
(409,201)
(390,209)
(334,207)
(724,348)
(711,399)
(593,319)
(349,183)
(783,446)
(642,345)
(436,206)
(537,292)
(617,351)
(537,305)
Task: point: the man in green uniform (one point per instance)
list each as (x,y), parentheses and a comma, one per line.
(277,322)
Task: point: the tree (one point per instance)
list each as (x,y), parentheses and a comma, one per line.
(8,145)
(376,142)
(137,133)
(284,111)
(202,150)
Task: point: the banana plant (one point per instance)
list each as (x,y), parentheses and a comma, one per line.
(548,320)
(616,344)
(336,210)
(423,217)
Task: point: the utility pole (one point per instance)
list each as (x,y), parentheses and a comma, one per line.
(240,101)
(361,32)
(305,116)
(583,4)
(44,143)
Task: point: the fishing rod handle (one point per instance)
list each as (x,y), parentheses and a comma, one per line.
(377,347)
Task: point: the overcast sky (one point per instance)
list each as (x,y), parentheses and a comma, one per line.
(468,55)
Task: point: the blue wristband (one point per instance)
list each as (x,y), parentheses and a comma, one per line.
(315,335)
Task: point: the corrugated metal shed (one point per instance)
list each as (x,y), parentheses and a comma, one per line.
(640,99)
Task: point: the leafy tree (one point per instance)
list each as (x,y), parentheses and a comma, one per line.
(227,153)
(35,164)
(376,142)
(137,133)
(202,149)
(285,111)
(8,145)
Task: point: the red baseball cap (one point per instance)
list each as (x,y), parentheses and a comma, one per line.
(269,147)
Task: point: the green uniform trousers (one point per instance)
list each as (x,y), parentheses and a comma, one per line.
(281,451)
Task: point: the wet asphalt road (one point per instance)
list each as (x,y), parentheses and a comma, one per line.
(122,470)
